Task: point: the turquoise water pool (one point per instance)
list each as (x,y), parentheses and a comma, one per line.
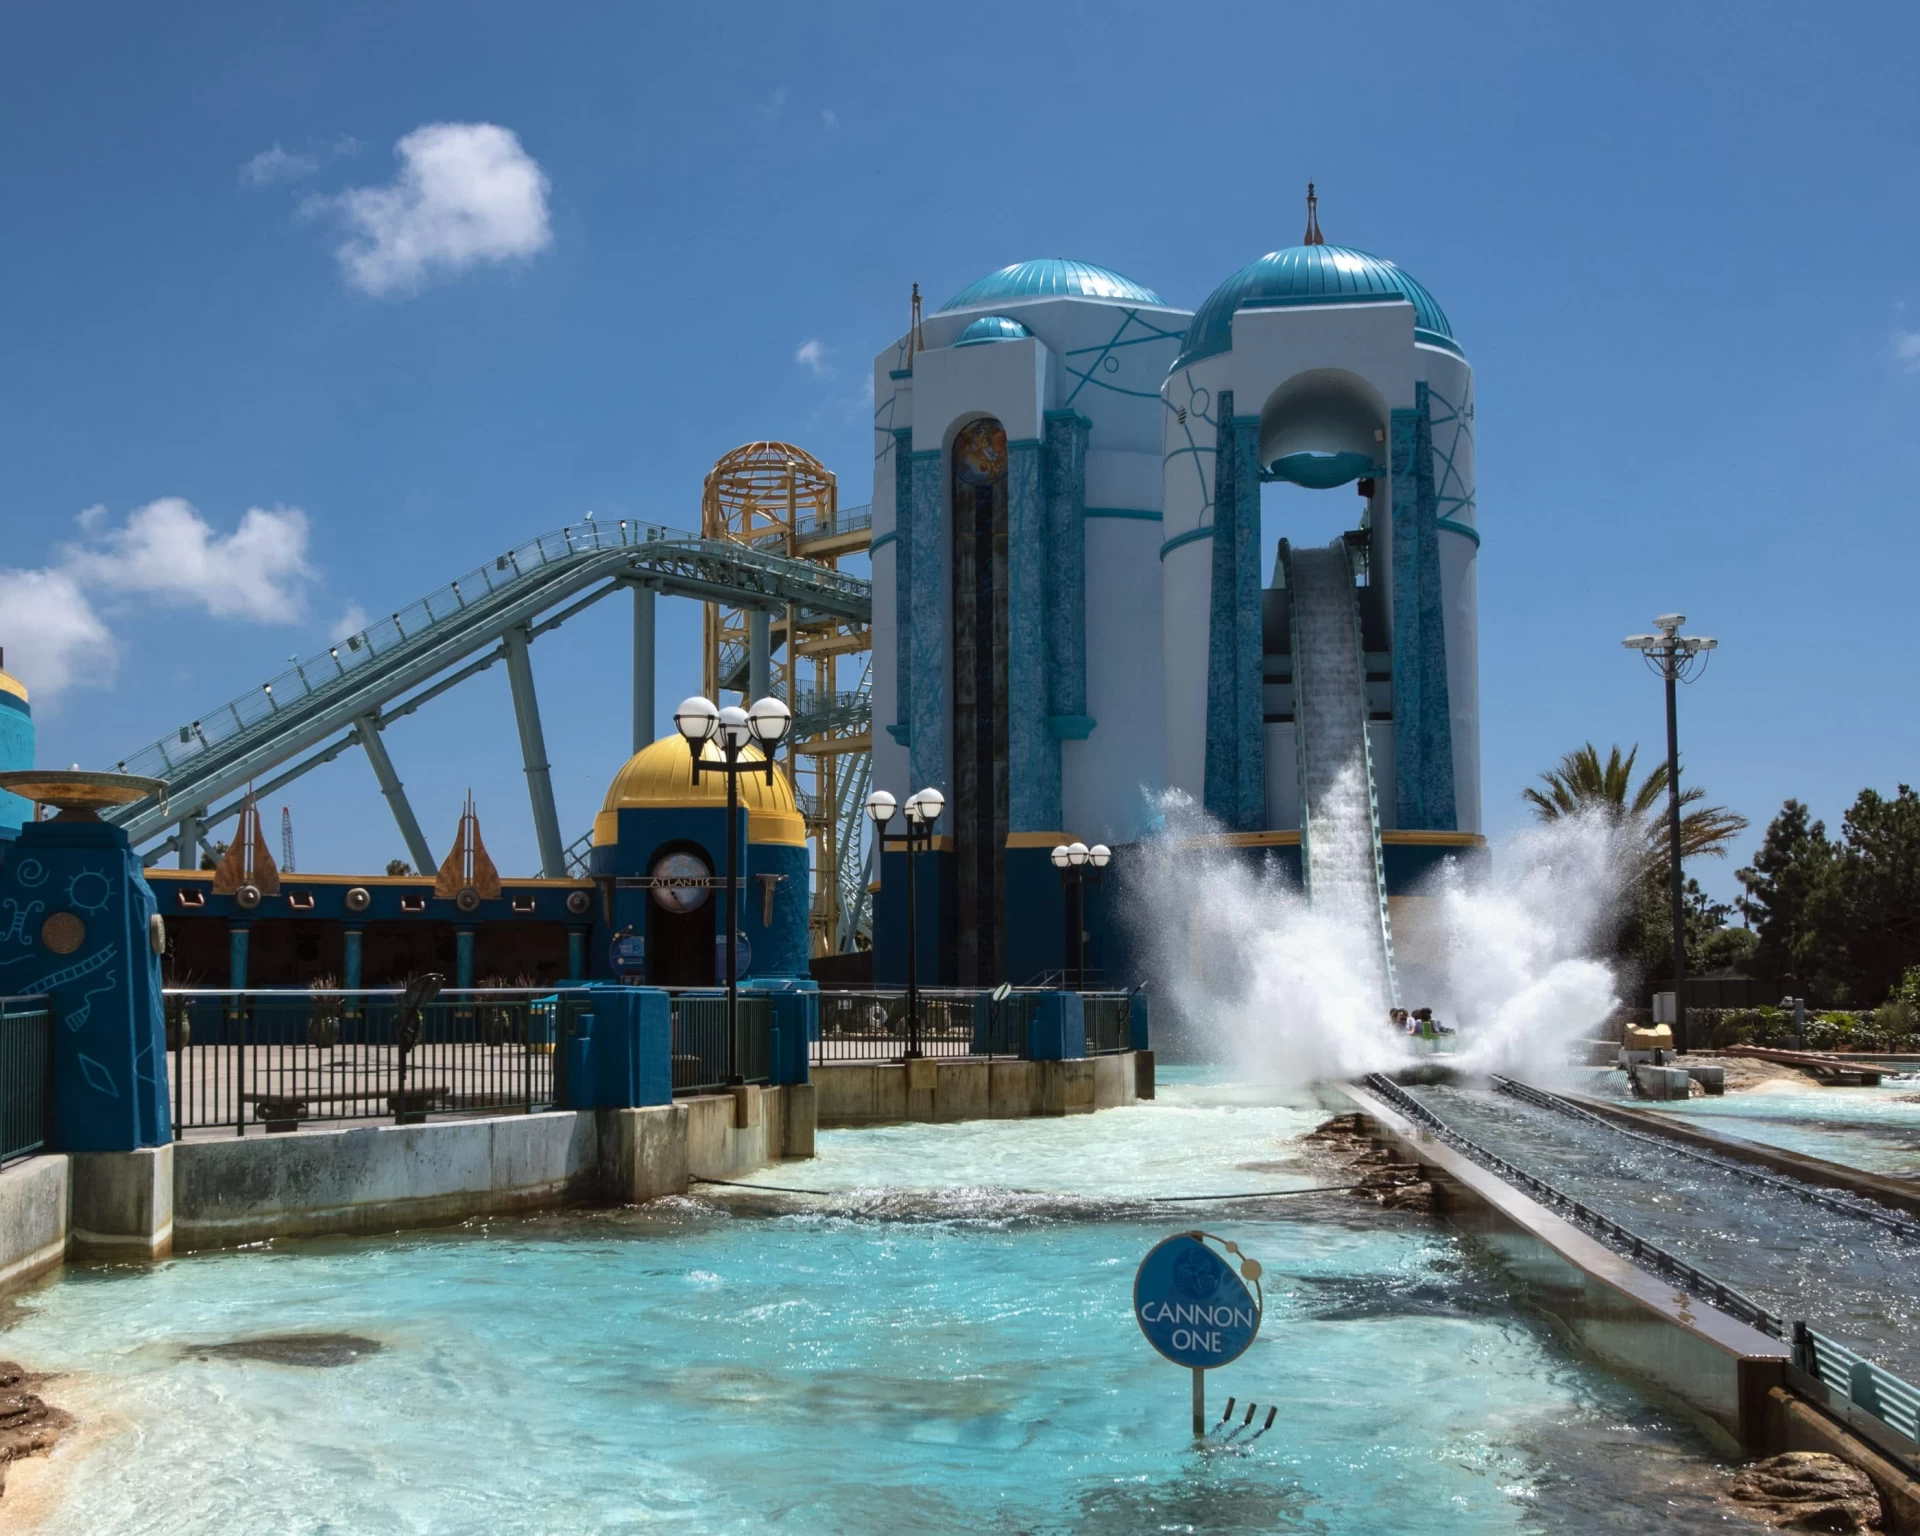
(941,1340)
(1875,1129)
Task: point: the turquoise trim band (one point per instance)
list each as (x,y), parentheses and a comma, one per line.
(1140,514)
(1426,338)
(1071,727)
(902,734)
(900,373)
(1452,527)
(882,541)
(1185,538)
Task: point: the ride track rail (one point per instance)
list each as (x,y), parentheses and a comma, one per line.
(348,694)
(1884,1406)
(1858,1207)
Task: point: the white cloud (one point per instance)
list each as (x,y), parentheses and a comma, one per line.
(775,104)
(165,552)
(169,552)
(275,164)
(467,193)
(53,638)
(830,117)
(1906,349)
(813,355)
(349,623)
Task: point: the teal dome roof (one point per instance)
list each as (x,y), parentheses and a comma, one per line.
(1311,274)
(1051,278)
(991,328)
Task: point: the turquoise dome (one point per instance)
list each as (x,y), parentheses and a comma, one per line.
(1311,274)
(1051,278)
(991,328)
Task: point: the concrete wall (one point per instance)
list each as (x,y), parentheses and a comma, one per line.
(33,1218)
(973,1088)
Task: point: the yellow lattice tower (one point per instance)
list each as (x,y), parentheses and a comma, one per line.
(780,498)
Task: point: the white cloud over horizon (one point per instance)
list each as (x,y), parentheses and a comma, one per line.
(277,164)
(166,553)
(466,194)
(813,355)
(1906,349)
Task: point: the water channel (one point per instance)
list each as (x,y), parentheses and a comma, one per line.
(939,1340)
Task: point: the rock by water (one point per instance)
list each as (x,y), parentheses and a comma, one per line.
(1808,1491)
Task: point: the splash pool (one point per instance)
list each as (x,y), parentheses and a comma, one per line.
(940,1339)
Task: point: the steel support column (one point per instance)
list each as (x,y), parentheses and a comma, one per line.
(533,751)
(391,787)
(759,655)
(188,834)
(643,717)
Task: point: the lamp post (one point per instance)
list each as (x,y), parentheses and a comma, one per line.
(702,722)
(1077,864)
(1676,659)
(923,810)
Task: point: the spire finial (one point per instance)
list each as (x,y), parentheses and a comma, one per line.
(916,339)
(1314,237)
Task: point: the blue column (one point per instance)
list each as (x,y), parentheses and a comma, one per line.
(237,956)
(902,728)
(1066,584)
(351,980)
(1033,755)
(1235,779)
(75,915)
(932,561)
(1057,1028)
(463,958)
(576,954)
(1423,728)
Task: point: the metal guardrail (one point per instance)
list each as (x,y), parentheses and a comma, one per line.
(1109,1021)
(26,1075)
(1861,1209)
(1872,1398)
(699,1033)
(277,1059)
(870,1024)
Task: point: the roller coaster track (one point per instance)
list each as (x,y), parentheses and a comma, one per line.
(347,695)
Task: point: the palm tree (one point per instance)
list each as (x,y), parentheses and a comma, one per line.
(1584,783)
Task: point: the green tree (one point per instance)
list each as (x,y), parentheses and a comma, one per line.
(1584,783)
(1787,874)
(1864,916)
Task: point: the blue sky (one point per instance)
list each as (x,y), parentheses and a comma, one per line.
(1678,243)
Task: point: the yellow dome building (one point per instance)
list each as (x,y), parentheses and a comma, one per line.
(659,855)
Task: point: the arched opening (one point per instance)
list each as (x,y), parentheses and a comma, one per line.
(979,500)
(1321,430)
(680,918)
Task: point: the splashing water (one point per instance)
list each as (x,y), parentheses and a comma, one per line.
(1290,990)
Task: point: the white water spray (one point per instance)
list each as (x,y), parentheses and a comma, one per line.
(1291,991)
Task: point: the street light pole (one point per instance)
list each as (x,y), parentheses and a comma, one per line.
(1076,861)
(1677,659)
(923,810)
(702,723)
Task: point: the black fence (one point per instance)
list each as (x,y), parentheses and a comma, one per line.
(700,1040)
(873,1025)
(1109,1017)
(278,1059)
(26,1075)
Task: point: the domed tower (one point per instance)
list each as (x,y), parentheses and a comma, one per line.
(1324,367)
(659,854)
(1016,589)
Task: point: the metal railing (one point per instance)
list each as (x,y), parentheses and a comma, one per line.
(1109,1018)
(1854,1387)
(699,1033)
(871,1024)
(26,1075)
(279,1059)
